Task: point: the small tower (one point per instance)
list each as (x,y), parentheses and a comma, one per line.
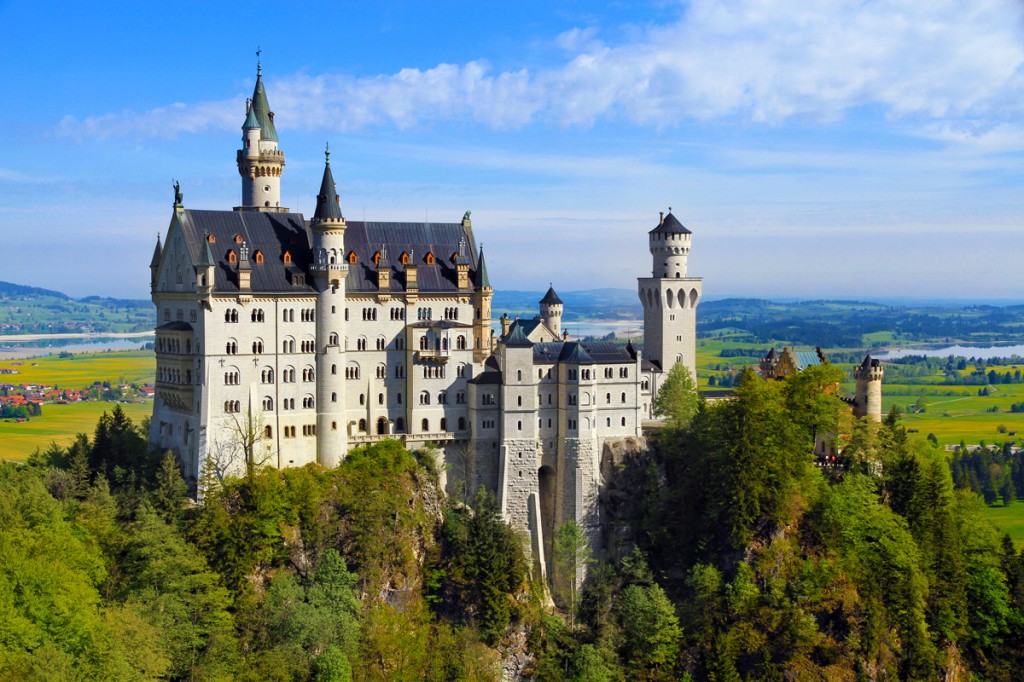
(154,265)
(768,363)
(260,162)
(329,271)
(482,322)
(670,298)
(867,397)
(205,269)
(551,311)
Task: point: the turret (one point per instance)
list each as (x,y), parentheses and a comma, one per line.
(329,271)
(260,162)
(551,311)
(482,323)
(205,268)
(154,264)
(867,400)
(669,243)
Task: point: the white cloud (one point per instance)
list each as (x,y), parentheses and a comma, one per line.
(762,61)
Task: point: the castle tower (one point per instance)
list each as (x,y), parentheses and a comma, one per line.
(551,311)
(670,298)
(867,397)
(260,162)
(329,271)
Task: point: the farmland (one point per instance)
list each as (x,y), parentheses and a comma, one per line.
(59,423)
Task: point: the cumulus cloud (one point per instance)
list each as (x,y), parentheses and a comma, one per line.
(757,61)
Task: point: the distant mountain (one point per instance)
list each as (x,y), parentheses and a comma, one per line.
(20,291)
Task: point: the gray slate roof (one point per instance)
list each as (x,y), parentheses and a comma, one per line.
(274,233)
(670,225)
(580,353)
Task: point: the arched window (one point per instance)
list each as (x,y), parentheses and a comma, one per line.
(362,425)
(425,426)
(287,258)
(424,398)
(258,257)
(444,424)
(232,257)
(404,259)
(268,404)
(429,259)
(424,343)
(460,342)
(268,431)
(352,258)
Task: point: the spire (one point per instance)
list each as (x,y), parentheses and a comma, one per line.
(260,109)
(328,204)
(482,280)
(206,260)
(155,263)
(250,117)
(243,258)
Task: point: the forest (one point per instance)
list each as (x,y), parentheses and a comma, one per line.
(747,561)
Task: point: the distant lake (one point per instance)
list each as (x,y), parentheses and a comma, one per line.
(71,344)
(578,329)
(966,351)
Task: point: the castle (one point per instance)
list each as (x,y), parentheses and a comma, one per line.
(283,341)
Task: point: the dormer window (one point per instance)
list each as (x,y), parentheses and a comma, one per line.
(287,258)
(455,257)
(429,260)
(352,258)
(232,257)
(404,260)
(238,239)
(258,257)
(376,258)
(211,238)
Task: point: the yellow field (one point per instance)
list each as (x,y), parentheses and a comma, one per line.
(82,370)
(59,424)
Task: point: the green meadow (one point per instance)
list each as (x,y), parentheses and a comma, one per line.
(59,424)
(80,371)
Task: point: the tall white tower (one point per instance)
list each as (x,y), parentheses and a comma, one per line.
(329,271)
(260,162)
(551,311)
(670,298)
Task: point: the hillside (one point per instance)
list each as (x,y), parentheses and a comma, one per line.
(32,310)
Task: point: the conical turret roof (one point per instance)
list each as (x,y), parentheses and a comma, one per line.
(250,118)
(670,225)
(206,260)
(481,280)
(156,254)
(328,204)
(551,298)
(260,109)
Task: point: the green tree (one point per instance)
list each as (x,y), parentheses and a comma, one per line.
(677,397)
(571,557)
(651,631)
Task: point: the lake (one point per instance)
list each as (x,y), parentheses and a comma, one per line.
(983,352)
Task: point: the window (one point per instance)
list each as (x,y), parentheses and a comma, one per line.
(572,398)
(442,398)
(487,399)
(231,315)
(444,424)
(268,404)
(352,371)
(231,348)
(382,371)
(268,431)
(362,425)
(429,259)
(623,397)
(362,398)
(308,403)
(287,258)
(352,258)
(460,398)
(425,425)
(399,372)
(623,421)
(381,343)
(519,375)
(462,423)
(333,339)
(424,398)
(361,343)
(258,257)
(400,424)
(257,347)
(624,372)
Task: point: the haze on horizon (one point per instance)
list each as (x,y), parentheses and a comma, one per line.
(835,150)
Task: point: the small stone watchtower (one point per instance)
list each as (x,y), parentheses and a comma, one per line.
(551,311)
(867,398)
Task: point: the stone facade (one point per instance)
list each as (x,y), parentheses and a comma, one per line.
(285,341)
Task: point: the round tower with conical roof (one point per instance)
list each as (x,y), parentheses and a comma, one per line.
(551,311)
(260,162)
(867,397)
(329,271)
(670,298)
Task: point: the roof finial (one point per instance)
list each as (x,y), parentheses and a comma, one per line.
(259,67)
(327,153)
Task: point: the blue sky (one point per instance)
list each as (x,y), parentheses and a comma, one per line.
(869,149)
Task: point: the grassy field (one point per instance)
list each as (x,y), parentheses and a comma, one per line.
(1009,520)
(59,424)
(82,370)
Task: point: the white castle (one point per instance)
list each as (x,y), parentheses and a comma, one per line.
(284,341)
